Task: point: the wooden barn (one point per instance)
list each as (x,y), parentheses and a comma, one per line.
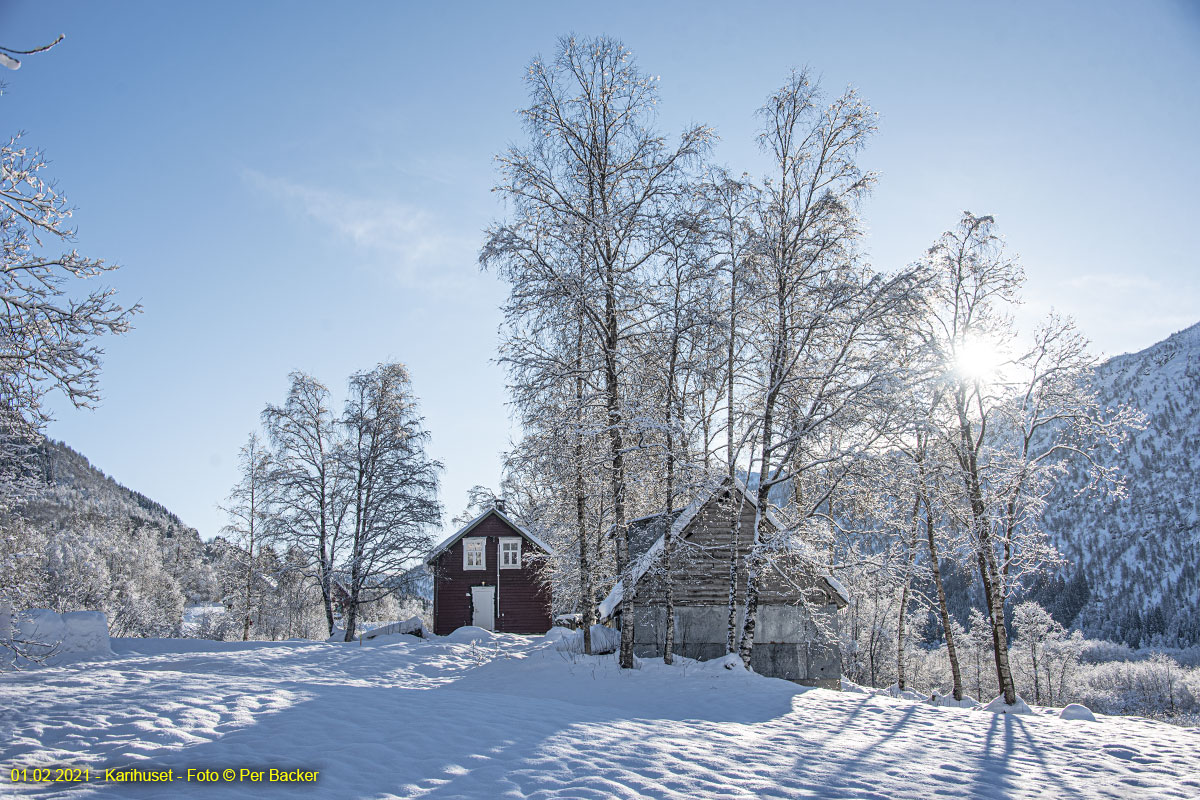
(788,643)
(486,575)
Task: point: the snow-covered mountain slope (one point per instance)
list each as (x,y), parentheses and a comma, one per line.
(74,488)
(480,715)
(74,480)
(1140,554)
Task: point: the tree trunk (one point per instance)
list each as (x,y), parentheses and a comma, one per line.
(746,646)
(999,634)
(326,566)
(943,608)
(988,572)
(585,568)
(249,620)
(754,565)
(900,636)
(351,617)
(669,576)
(617,454)
(325,577)
(912,555)
(1037,690)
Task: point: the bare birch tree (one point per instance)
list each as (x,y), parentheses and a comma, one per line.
(390,482)
(312,507)
(589,183)
(49,323)
(1010,420)
(250,508)
(821,321)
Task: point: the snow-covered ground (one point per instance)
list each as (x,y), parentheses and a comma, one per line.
(489,715)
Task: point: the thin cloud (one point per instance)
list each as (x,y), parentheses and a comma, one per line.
(409,242)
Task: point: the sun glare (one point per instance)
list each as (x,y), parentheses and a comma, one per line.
(978,359)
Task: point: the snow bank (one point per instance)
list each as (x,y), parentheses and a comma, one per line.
(998,706)
(848,685)
(604,640)
(42,629)
(729,661)
(1076,711)
(469,634)
(59,637)
(86,634)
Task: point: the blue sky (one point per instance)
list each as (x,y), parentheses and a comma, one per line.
(304,185)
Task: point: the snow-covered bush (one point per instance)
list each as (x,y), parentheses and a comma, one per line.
(1044,658)
(220,626)
(1154,687)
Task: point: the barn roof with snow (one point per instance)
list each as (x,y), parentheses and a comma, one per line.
(646,536)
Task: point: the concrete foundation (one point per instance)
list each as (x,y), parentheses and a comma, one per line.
(786,643)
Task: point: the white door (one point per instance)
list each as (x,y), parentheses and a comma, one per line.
(483,603)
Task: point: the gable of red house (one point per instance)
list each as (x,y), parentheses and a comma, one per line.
(488,574)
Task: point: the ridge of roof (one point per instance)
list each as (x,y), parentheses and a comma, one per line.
(449,541)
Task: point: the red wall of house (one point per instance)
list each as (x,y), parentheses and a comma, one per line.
(524,600)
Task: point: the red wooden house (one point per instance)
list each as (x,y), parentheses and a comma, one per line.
(486,575)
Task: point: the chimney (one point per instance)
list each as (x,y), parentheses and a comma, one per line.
(499,503)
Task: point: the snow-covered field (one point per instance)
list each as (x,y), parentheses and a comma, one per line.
(506,716)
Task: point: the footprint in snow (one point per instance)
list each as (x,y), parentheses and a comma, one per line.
(1125,753)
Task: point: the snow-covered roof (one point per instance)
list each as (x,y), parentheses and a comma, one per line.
(647,559)
(449,541)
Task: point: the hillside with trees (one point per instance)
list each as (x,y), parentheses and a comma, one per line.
(1137,556)
(81,540)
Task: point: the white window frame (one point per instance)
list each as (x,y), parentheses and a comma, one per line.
(471,545)
(504,554)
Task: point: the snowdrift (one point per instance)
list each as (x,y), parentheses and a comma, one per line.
(58,638)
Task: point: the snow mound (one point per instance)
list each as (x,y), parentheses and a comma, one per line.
(558,632)
(998,706)
(904,694)
(1076,711)
(469,634)
(42,629)
(604,640)
(413,626)
(947,701)
(731,661)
